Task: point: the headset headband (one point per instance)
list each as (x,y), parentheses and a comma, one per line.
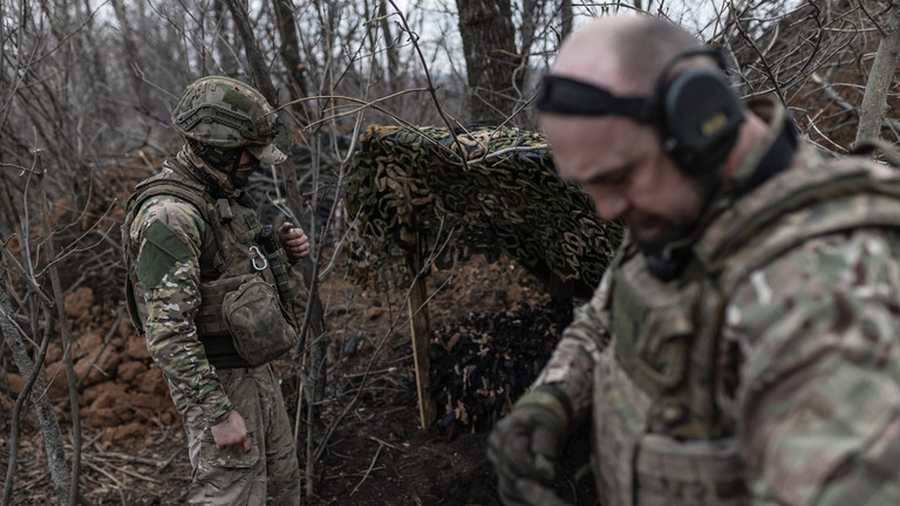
(572,97)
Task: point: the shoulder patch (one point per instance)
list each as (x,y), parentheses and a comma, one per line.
(161,250)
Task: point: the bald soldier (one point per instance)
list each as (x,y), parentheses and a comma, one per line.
(201,289)
(744,345)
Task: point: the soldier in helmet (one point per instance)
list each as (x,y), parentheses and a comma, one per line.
(744,345)
(200,289)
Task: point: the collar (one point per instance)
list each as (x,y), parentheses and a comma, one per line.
(217,182)
(771,155)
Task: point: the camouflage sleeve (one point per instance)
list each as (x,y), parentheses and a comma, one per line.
(168,232)
(818,404)
(571,368)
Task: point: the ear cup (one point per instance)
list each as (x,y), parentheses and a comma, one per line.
(701,116)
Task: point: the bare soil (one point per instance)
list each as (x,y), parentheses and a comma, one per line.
(373,450)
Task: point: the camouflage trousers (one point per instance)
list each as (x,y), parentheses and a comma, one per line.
(269,472)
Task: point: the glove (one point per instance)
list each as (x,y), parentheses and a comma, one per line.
(527,443)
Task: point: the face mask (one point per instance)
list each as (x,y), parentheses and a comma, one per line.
(222,159)
(240,176)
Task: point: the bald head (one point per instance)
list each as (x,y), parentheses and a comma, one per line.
(624,54)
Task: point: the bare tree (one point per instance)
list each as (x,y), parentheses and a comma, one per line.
(881,76)
(566,15)
(489,45)
(131,55)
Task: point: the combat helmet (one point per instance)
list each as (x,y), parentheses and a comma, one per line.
(226,113)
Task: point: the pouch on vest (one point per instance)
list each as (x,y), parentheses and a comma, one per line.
(254,318)
(710,473)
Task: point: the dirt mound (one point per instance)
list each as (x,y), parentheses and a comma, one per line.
(120,391)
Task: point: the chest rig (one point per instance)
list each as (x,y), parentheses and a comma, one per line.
(665,426)
(229,254)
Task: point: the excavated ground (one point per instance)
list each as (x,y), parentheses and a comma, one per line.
(493,328)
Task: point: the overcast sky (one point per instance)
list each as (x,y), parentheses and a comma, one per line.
(436,21)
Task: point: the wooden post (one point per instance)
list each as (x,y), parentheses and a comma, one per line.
(420,333)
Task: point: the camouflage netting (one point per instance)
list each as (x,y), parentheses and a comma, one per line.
(507,199)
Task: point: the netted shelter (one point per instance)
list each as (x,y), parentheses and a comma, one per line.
(493,191)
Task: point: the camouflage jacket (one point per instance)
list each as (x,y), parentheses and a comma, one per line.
(769,371)
(180,243)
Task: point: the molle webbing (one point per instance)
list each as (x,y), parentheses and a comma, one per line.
(209,321)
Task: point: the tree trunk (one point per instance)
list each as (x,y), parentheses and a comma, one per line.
(289,49)
(98,66)
(531,16)
(227,57)
(256,62)
(49,425)
(871,115)
(489,46)
(131,56)
(68,343)
(566,15)
(393,57)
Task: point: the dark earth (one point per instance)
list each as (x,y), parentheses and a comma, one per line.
(374,452)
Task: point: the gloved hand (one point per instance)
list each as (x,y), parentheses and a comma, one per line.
(527,443)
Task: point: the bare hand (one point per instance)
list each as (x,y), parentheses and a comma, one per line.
(294,241)
(231,431)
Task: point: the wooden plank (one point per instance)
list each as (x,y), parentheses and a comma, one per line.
(420,334)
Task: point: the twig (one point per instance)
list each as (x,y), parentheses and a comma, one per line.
(414,38)
(119,485)
(874,22)
(164,464)
(842,149)
(369,470)
(768,69)
(383,442)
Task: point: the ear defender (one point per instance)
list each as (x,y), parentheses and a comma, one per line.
(699,115)
(702,117)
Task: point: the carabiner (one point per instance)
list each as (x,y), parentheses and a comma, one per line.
(256,253)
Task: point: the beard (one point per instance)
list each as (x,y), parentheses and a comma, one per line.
(668,250)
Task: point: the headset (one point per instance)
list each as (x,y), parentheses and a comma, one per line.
(696,112)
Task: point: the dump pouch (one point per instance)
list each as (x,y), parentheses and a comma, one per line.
(256,322)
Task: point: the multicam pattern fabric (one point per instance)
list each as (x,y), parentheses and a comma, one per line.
(820,395)
(171,305)
(183,246)
(269,472)
(224,112)
(803,391)
(506,199)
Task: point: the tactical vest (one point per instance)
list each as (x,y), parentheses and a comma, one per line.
(664,432)
(229,254)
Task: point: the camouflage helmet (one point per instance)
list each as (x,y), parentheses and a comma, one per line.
(226,113)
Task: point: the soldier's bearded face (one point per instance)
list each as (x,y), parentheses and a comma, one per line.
(621,166)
